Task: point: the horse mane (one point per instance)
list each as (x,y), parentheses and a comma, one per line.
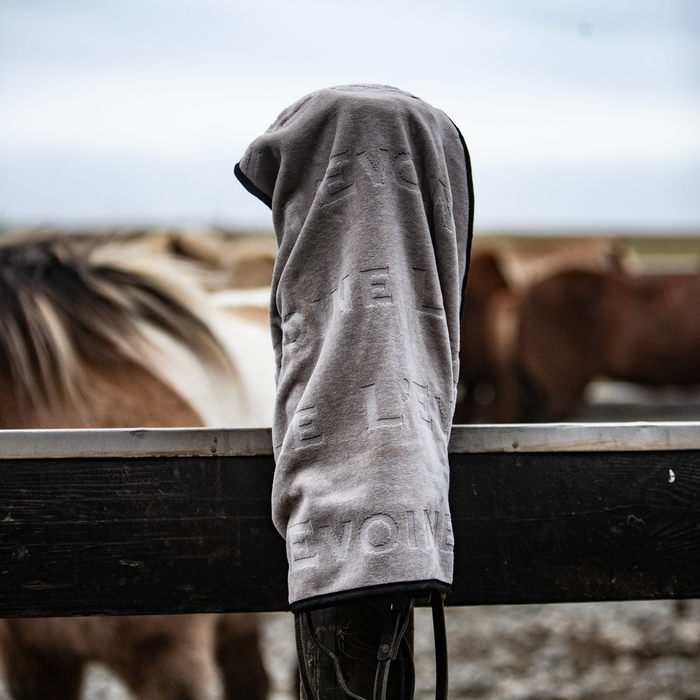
(65,304)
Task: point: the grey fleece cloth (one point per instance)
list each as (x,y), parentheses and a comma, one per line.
(372,205)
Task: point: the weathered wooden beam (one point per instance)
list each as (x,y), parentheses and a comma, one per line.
(576,526)
(155,521)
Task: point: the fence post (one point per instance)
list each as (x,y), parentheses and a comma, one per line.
(339,645)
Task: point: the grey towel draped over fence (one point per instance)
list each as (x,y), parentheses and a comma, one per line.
(372,204)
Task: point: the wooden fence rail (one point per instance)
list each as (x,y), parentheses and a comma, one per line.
(178,520)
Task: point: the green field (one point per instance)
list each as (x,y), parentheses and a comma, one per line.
(655,251)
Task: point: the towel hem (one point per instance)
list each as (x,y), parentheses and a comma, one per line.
(255,191)
(411,588)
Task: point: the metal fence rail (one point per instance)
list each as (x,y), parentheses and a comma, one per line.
(178,520)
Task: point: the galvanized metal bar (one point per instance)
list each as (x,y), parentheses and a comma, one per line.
(465,439)
(575,437)
(135,443)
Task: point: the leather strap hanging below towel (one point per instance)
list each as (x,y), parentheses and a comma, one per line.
(394,652)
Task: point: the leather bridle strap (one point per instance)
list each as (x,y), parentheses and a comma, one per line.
(391,641)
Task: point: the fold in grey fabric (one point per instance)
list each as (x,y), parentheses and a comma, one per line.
(370,190)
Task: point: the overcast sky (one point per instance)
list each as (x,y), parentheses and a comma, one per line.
(577,114)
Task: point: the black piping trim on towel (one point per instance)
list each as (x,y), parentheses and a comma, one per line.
(470,232)
(256,191)
(412,589)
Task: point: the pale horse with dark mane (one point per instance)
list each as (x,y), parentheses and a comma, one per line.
(107,336)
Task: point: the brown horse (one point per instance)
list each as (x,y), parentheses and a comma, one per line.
(498,275)
(84,333)
(478,372)
(578,325)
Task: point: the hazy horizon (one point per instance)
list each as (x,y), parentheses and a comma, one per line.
(580,116)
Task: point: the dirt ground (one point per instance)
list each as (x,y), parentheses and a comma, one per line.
(609,651)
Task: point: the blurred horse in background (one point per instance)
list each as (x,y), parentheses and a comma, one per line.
(478,368)
(110,335)
(579,325)
(499,276)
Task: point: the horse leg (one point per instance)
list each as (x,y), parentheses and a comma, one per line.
(34,673)
(238,656)
(167,657)
(170,676)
